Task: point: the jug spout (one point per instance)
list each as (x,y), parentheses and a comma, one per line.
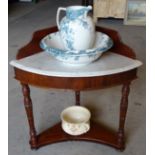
(87,9)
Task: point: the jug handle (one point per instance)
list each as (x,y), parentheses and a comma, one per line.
(58,15)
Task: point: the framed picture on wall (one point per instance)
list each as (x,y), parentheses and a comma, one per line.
(135,13)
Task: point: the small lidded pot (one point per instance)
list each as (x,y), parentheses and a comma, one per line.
(75,120)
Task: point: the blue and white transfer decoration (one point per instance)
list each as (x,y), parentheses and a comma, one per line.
(52,44)
(77,29)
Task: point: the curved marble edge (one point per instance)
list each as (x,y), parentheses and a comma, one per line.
(16,64)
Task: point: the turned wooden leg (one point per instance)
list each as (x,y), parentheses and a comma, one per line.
(29,112)
(77,97)
(123,111)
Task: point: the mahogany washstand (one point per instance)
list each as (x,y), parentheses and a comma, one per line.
(97,133)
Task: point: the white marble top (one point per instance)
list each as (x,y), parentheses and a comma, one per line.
(44,64)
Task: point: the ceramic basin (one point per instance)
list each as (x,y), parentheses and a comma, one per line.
(53,44)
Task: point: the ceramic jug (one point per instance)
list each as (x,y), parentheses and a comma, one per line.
(76,29)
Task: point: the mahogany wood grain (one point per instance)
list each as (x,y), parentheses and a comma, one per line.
(97,132)
(29,112)
(123,111)
(75,83)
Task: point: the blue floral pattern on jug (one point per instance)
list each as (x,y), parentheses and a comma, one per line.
(67,34)
(84,24)
(72,15)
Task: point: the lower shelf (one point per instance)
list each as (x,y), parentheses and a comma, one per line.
(97,133)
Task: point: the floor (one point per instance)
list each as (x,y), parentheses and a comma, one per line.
(24,19)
